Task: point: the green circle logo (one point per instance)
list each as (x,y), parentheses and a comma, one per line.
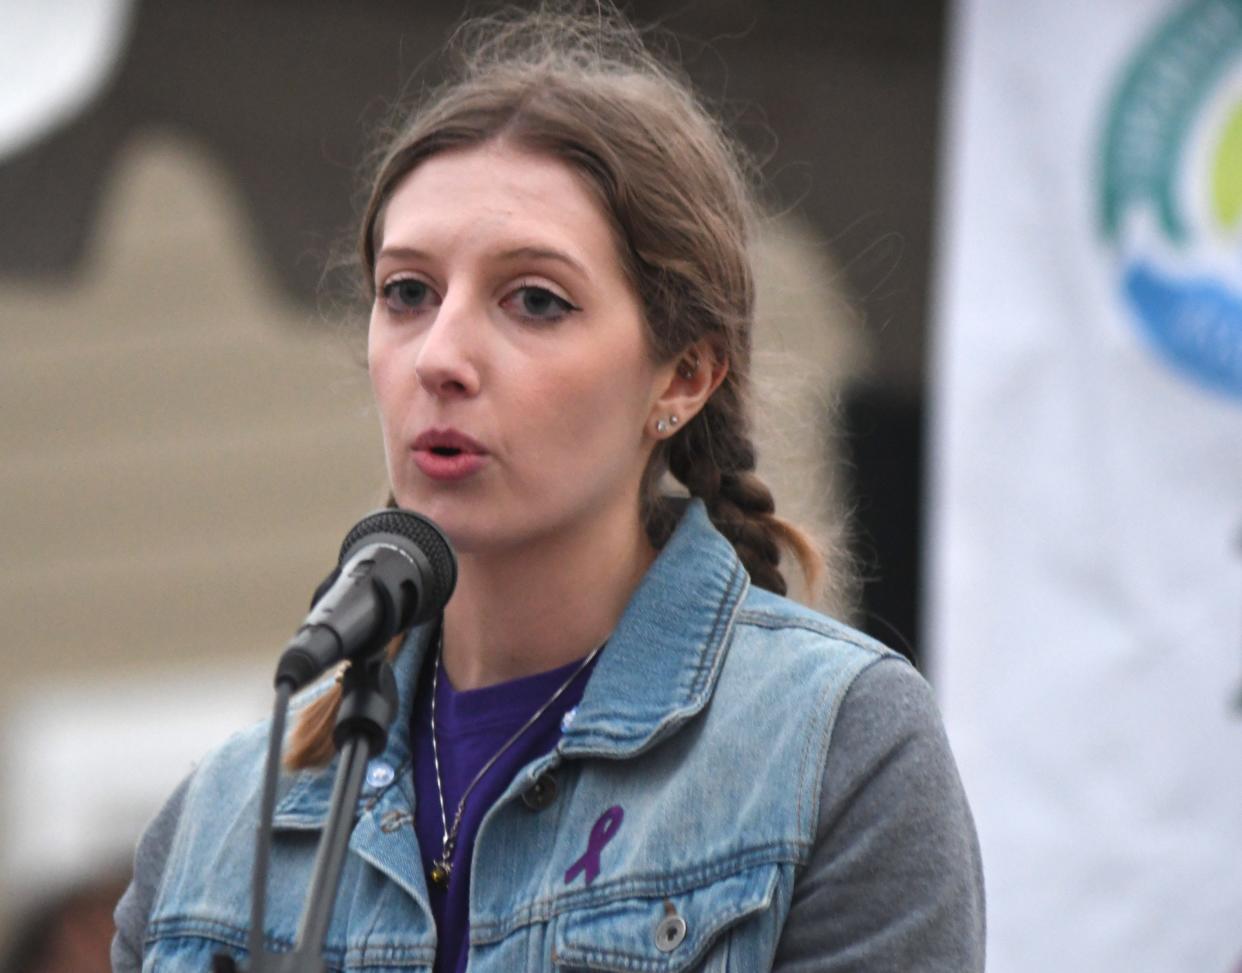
(1171,192)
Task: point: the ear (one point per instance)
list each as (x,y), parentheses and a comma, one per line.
(684,387)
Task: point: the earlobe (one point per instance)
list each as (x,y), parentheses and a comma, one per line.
(664,425)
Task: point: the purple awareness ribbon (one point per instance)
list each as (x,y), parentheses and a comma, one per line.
(601,833)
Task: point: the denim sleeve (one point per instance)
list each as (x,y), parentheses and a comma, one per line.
(895,881)
(135,906)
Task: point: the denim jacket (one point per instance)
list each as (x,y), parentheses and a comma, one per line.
(665,832)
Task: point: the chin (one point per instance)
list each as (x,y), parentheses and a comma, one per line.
(444,510)
(464,522)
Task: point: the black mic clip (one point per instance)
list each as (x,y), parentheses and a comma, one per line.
(369,601)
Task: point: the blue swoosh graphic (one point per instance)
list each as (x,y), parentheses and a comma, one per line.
(1196,324)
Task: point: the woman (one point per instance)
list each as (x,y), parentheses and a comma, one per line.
(622,748)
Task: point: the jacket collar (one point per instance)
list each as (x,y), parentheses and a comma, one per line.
(662,661)
(658,669)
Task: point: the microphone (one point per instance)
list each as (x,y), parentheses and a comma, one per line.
(396,569)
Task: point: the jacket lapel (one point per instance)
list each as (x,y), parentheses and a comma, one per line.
(661,663)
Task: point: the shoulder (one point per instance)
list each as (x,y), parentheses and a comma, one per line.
(856,703)
(783,623)
(223,791)
(150,858)
(895,876)
(189,810)
(775,638)
(890,822)
(786,676)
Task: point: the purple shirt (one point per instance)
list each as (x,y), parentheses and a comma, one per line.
(470,727)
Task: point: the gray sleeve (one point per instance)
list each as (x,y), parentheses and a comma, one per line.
(134,909)
(895,881)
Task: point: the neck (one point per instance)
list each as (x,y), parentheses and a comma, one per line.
(526,610)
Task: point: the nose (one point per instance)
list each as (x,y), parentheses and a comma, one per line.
(447,359)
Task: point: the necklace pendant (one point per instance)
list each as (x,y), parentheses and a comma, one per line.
(440,871)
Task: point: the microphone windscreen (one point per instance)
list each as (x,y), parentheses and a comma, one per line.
(425,537)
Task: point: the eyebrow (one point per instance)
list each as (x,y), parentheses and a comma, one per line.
(517,253)
(545,253)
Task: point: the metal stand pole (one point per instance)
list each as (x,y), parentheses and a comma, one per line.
(368,705)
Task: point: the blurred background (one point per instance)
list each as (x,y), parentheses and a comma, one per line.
(1001,372)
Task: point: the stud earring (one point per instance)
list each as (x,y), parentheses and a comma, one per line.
(687,368)
(661,427)
(673,420)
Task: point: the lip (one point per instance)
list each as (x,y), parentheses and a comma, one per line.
(447,438)
(447,454)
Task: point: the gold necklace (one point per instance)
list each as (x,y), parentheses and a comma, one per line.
(442,867)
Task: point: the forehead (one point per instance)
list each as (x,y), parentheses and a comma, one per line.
(484,193)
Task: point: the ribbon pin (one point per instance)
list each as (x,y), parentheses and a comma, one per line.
(601,833)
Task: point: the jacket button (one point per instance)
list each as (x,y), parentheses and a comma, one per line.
(669,933)
(379,774)
(541,793)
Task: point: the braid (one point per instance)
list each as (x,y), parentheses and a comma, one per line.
(715,460)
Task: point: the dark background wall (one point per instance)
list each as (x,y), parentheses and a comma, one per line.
(838,98)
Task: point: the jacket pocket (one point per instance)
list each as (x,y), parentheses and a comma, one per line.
(661,934)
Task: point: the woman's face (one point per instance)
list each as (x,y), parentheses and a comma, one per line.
(507,353)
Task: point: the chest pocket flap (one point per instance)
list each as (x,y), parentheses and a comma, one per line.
(661,935)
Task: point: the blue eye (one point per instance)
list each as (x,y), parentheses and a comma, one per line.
(538,303)
(406,294)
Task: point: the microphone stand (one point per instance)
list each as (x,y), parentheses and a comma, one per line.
(368,705)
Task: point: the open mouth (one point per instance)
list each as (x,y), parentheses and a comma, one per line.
(446,444)
(448,457)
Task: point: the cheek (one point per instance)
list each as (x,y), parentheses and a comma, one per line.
(381,370)
(598,414)
(374,359)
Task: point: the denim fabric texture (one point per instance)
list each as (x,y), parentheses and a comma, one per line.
(707,721)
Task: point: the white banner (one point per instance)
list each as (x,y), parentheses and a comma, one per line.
(1086,546)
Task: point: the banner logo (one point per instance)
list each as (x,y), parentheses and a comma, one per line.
(1171,192)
